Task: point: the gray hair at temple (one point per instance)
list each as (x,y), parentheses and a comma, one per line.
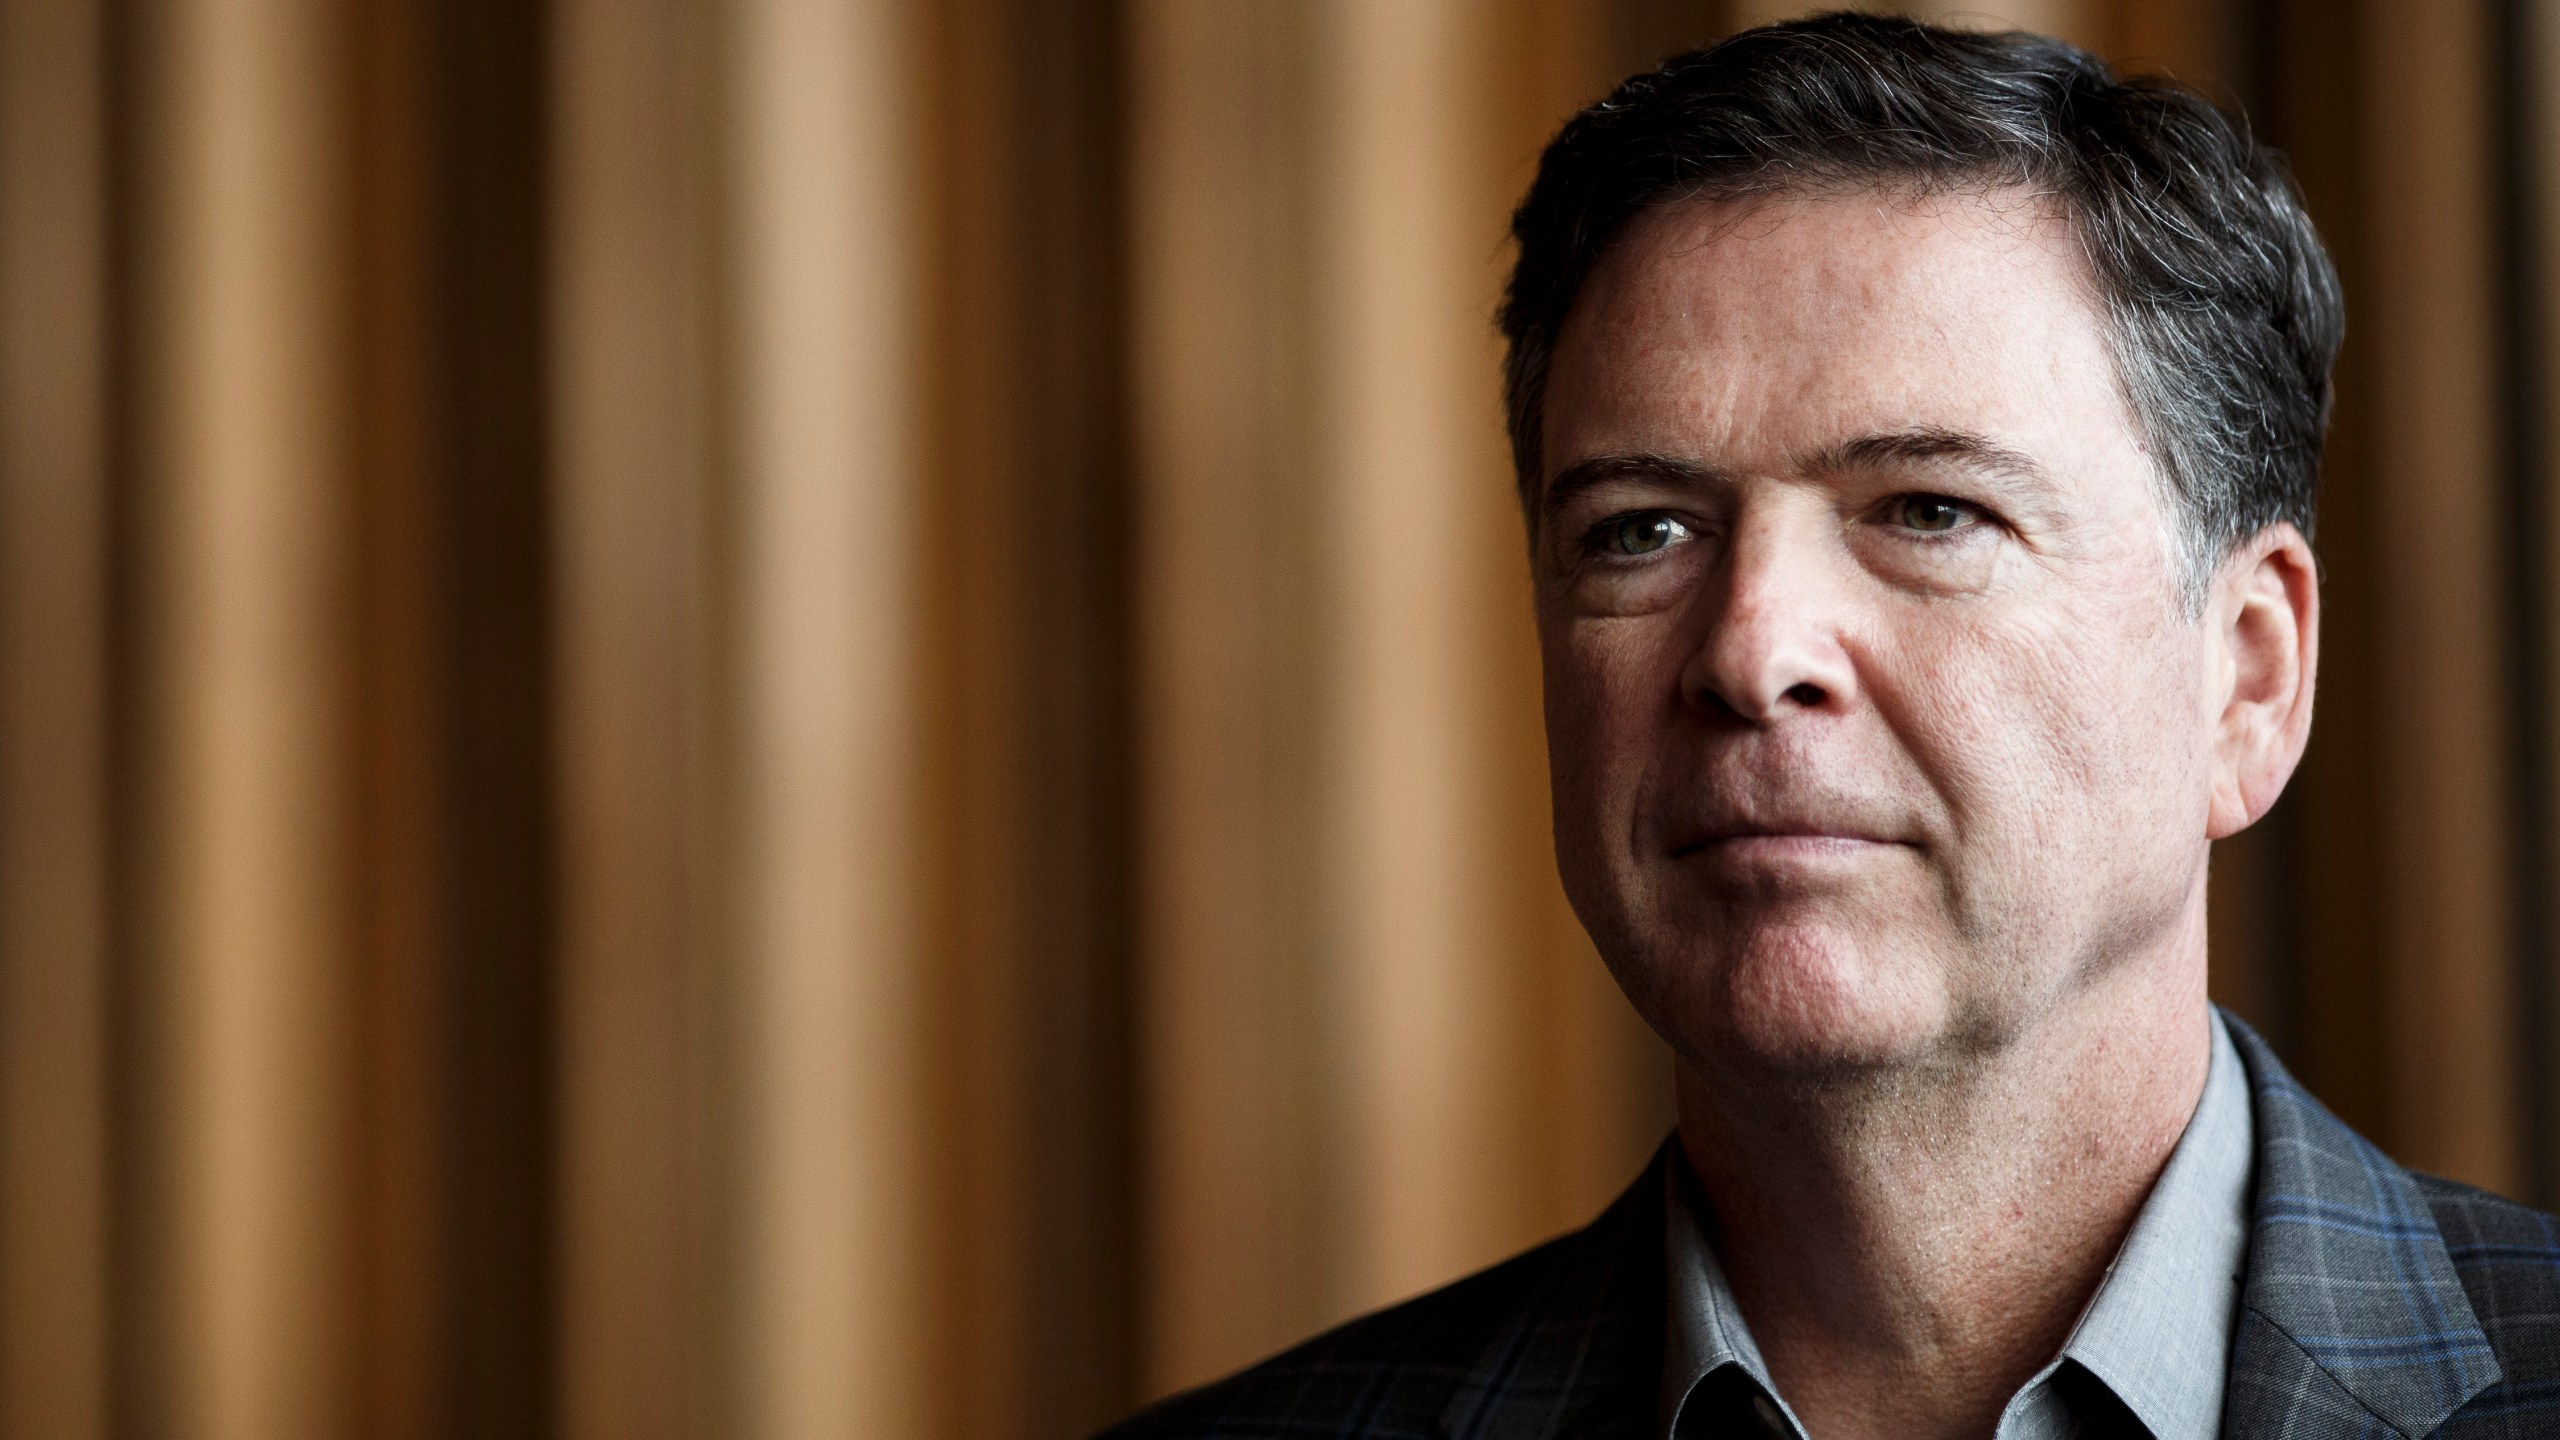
(2223,308)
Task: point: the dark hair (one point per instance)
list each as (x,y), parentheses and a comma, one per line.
(2223,307)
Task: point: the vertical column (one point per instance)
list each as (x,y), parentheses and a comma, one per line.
(395,793)
(251,601)
(1026,650)
(2537,213)
(485,841)
(642,726)
(54,872)
(1421,573)
(2428,208)
(837,1224)
(1230,565)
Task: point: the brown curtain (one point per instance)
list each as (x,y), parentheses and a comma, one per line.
(815,717)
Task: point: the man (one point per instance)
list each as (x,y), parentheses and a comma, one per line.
(1917,432)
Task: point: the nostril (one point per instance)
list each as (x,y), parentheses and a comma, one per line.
(1806,694)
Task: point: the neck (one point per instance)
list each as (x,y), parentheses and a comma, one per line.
(1910,1247)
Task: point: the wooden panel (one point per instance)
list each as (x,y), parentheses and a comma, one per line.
(451,860)
(252,596)
(54,869)
(1034,737)
(835,1046)
(1228,557)
(749,1068)
(485,1361)
(2428,318)
(394,797)
(641,734)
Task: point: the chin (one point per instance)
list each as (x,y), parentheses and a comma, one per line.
(1803,995)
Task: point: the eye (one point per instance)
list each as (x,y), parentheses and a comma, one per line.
(1932,514)
(1642,533)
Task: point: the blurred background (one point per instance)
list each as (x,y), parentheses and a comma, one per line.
(815,717)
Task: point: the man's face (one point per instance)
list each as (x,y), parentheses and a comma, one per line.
(1876,722)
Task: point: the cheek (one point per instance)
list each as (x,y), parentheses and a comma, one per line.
(1594,735)
(1606,701)
(2068,743)
(1604,696)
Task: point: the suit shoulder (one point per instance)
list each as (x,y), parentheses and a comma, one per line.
(1383,1376)
(2508,1256)
(2485,1231)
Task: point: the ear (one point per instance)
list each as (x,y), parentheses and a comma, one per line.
(2265,618)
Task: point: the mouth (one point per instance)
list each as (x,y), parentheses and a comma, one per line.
(1781,842)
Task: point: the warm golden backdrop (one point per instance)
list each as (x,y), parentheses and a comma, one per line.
(785,718)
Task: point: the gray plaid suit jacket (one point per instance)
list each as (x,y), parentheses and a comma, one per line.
(2377,1303)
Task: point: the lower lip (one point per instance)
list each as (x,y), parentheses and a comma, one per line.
(1787,849)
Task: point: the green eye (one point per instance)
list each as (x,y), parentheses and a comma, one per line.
(1642,534)
(1933,514)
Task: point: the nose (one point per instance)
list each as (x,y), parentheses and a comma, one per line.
(1772,628)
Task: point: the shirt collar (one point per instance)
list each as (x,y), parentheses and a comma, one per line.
(2157,1333)
(1704,1327)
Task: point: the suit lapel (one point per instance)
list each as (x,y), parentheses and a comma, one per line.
(1579,1362)
(2351,1311)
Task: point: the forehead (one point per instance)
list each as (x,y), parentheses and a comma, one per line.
(1743,332)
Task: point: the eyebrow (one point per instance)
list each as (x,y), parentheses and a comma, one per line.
(1600,470)
(1918,445)
(1934,445)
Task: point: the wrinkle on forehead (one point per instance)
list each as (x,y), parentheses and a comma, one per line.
(2036,222)
(1661,341)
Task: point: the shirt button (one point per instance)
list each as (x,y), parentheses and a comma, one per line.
(1770,1415)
